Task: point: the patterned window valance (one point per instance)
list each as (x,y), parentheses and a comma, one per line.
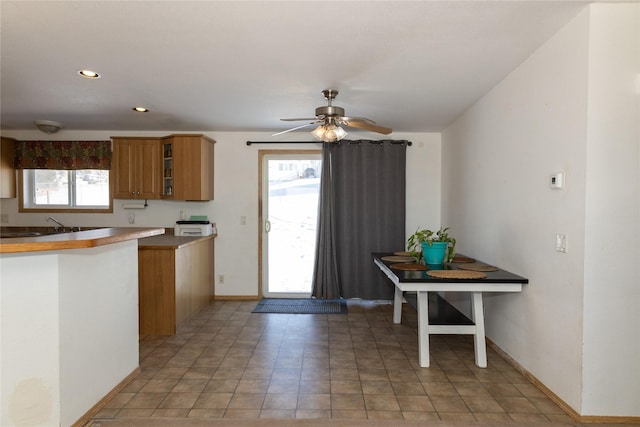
(68,155)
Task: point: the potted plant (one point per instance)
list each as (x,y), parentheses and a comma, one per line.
(436,246)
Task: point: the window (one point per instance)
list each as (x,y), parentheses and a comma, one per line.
(83,190)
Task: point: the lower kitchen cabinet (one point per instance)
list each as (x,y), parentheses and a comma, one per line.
(175,281)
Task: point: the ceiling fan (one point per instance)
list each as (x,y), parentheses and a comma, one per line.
(330,118)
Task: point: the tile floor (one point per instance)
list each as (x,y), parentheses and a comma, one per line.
(230,363)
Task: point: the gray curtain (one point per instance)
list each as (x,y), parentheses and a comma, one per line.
(361,210)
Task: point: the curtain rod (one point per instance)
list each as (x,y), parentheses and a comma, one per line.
(409,143)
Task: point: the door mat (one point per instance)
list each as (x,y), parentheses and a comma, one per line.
(301,306)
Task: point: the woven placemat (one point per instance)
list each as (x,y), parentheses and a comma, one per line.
(478,267)
(456,274)
(397,258)
(409,267)
(462,258)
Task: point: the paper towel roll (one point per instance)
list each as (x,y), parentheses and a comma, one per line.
(132,206)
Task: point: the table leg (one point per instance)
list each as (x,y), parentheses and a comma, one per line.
(397,306)
(480,344)
(423,328)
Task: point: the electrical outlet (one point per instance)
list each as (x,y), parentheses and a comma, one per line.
(221,279)
(183,214)
(4,218)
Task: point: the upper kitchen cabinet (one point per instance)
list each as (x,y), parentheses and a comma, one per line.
(7,169)
(187,167)
(136,168)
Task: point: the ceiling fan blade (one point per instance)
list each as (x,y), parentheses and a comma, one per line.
(292,129)
(299,119)
(366,124)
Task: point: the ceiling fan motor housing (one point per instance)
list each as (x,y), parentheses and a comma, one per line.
(330,111)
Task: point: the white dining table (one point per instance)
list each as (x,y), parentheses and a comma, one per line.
(421,283)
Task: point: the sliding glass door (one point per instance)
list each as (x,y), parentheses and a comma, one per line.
(290,186)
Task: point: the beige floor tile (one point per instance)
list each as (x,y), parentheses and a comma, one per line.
(377,402)
(385,415)
(314,401)
(347,401)
(493,417)
(456,416)
(408,388)
(278,413)
(119,400)
(135,412)
(228,362)
(171,412)
(189,386)
(376,387)
(198,373)
(346,387)
(145,400)
(213,401)
(242,413)
(517,405)
(313,413)
(247,401)
(529,418)
(420,416)
(279,401)
(482,404)
(159,386)
(471,389)
(206,413)
(415,404)
(373,375)
(439,388)
(180,400)
(314,387)
(448,404)
(349,414)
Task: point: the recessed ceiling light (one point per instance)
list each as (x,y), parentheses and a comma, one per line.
(140,109)
(89,74)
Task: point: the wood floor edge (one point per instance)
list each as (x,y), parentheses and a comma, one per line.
(83,420)
(572,413)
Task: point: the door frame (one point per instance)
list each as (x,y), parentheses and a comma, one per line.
(261,175)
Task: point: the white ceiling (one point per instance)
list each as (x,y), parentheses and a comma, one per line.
(413,66)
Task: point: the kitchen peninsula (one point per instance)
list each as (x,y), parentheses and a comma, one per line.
(69,306)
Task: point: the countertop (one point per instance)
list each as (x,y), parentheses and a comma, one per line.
(169,241)
(76,240)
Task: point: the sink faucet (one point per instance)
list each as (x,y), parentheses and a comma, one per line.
(57,222)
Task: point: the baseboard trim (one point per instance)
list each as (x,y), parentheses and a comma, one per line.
(572,413)
(83,420)
(237,298)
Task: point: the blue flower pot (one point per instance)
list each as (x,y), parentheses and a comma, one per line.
(434,253)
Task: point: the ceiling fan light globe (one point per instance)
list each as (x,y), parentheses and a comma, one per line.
(319,133)
(329,133)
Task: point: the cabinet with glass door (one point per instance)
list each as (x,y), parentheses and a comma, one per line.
(167,169)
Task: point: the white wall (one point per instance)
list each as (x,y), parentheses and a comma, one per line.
(612,229)
(236,195)
(497,161)
(66,342)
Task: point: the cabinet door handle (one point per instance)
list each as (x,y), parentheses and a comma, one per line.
(267,226)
